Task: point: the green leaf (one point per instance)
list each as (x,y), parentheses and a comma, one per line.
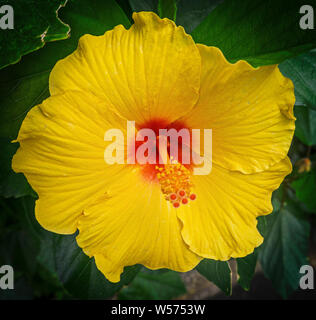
(301,70)
(126,7)
(18,247)
(24,208)
(263,32)
(19,250)
(305,124)
(246,269)
(305,188)
(35,22)
(285,248)
(167,9)
(217,272)
(191,13)
(265,223)
(11,184)
(78,273)
(154,286)
(26,84)
(144,5)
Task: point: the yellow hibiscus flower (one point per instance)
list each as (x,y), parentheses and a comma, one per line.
(154,74)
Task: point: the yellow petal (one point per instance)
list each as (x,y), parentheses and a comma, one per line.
(250,112)
(150,71)
(221,223)
(62,156)
(134,225)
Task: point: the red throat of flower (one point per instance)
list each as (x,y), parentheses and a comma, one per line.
(175,178)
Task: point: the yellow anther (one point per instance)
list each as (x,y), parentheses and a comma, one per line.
(175,182)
